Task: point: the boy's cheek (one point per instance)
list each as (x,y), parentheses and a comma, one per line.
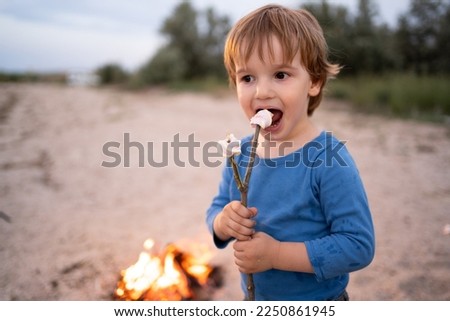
(246,107)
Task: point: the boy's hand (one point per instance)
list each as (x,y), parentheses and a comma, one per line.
(257,254)
(235,221)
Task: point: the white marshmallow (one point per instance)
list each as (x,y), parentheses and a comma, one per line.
(263,118)
(230,146)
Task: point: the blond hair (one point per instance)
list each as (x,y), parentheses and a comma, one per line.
(298,32)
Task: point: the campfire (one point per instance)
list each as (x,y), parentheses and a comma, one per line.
(169,275)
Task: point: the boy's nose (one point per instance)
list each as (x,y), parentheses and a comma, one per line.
(263,90)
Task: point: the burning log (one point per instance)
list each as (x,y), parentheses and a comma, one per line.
(172,275)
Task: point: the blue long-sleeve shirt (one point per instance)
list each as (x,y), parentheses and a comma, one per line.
(314,195)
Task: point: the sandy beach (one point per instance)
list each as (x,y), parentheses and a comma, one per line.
(69,224)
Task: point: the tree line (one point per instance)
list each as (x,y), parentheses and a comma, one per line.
(360,42)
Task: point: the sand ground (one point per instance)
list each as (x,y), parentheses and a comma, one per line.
(68,225)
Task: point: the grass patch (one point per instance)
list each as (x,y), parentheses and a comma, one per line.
(402,95)
(32,77)
(211,85)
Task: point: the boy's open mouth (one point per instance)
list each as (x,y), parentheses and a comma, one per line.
(276,118)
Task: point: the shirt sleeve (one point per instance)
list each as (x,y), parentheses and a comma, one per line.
(218,203)
(350,242)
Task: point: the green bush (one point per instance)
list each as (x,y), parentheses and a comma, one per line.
(166,66)
(404,95)
(110,74)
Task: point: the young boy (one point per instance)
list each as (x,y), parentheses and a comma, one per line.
(308,224)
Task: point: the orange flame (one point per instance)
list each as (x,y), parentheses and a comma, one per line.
(167,276)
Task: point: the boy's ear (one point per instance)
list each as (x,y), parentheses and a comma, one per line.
(315,88)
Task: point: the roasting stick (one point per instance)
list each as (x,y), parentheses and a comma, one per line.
(262,119)
(231,147)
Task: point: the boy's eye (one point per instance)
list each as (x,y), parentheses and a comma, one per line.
(281,75)
(247,78)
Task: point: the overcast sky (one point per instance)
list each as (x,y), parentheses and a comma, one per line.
(81,35)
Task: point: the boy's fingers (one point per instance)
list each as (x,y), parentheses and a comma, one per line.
(240,231)
(243,211)
(245,222)
(239,209)
(238,247)
(253,211)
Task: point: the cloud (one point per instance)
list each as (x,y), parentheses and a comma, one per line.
(81,43)
(81,34)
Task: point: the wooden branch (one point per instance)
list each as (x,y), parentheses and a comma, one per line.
(243,189)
